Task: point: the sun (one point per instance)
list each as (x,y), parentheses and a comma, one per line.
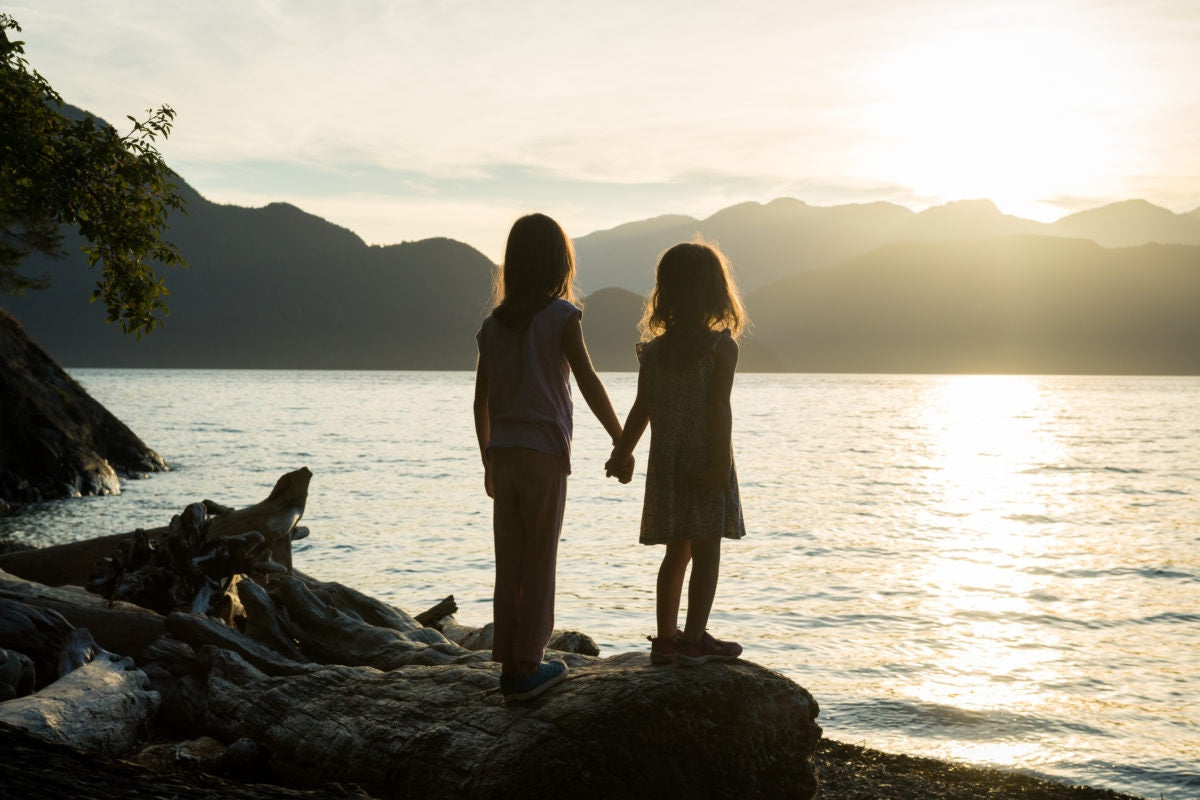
(1012,113)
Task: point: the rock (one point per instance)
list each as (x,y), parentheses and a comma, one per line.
(55,439)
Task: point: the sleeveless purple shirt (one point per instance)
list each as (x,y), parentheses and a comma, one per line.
(528,377)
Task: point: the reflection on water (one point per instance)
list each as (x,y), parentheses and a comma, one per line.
(980,436)
(1004,570)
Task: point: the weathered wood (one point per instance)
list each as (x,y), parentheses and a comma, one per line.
(105,706)
(561,641)
(333,685)
(39,633)
(74,563)
(124,628)
(34,768)
(66,564)
(16,675)
(198,630)
(263,622)
(616,728)
(328,636)
(118,629)
(184,569)
(439,611)
(469,636)
(362,606)
(275,517)
(241,758)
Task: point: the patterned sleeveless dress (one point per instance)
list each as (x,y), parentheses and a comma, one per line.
(675,508)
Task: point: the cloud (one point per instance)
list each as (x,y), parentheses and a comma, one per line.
(446,110)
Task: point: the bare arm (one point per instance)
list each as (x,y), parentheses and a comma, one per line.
(620,463)
(635,423)
(587,380)
(720,416)
(483,425)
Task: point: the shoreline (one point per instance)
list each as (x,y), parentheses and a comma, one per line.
(852,772)
(844,771)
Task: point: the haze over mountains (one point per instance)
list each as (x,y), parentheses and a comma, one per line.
(853,288)
(786,236)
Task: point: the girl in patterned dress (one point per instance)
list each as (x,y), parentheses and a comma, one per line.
(688,356)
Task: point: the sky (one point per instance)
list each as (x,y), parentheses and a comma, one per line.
(407,120)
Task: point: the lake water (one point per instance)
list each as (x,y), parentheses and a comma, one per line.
(988,569)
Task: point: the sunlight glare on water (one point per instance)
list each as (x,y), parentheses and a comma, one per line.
(1002,570)
(981,436)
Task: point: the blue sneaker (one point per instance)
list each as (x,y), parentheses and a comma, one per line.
(516,688)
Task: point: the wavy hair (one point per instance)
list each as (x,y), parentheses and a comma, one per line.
(694,292)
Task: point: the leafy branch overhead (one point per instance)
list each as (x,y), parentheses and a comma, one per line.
(115,189)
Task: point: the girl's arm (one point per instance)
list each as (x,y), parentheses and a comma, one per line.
(587,380)
(720,416)
(620,463)
(483,425)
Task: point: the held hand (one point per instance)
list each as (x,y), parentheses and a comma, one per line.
(620,468)
(487,482)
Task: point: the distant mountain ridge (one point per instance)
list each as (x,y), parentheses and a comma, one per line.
(1013,304)
(766,242)
(867,287)
(275,287)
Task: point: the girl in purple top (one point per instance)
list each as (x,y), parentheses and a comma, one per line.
(528,348)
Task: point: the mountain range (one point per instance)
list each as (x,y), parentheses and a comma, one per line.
(773,241)
(851,288)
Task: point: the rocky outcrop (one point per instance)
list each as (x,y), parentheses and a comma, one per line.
(56,440)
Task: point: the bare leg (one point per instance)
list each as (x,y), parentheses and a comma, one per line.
(702,587)
(670,587)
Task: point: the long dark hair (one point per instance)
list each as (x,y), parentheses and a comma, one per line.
(539,266)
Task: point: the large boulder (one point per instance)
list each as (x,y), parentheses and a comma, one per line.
(55,439)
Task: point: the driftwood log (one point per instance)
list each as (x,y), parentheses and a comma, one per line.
(41,634)
(36,768)
(120,627)
(304,683)
(616,728)
(17,674)
(106,706)
(74,563)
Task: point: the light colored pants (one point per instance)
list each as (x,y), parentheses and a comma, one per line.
(529,494)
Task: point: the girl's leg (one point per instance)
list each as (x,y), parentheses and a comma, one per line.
(670,587)
(706,567)
(508,532)
(543,499)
